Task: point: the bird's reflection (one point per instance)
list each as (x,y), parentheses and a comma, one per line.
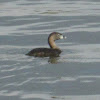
(53,60)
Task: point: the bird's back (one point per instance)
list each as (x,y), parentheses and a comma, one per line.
(44,52)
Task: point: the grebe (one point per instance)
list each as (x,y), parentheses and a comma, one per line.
(53,51)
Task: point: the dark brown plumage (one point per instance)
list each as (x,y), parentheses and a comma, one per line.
(44,52)
(53,51)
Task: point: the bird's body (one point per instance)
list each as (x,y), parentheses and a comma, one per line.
(44,52)
(53,51)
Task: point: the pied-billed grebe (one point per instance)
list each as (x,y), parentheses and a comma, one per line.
(48,52)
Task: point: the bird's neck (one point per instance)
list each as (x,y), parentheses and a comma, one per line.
(51,42)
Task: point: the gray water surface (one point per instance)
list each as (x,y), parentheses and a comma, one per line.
(26,24)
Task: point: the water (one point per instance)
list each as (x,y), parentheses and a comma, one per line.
(26,24)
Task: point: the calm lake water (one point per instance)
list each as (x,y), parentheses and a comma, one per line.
(26,24)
